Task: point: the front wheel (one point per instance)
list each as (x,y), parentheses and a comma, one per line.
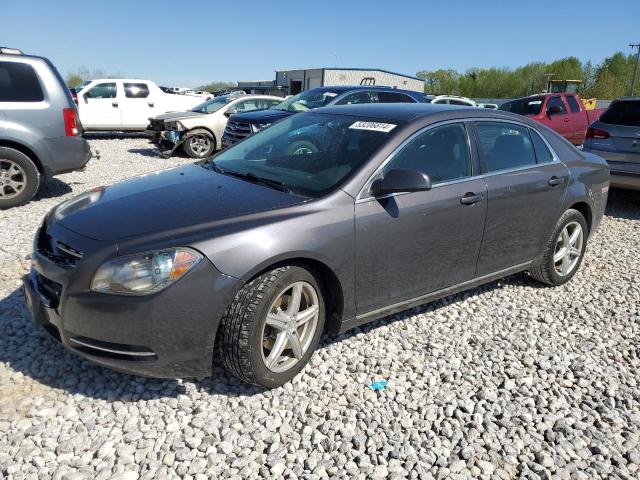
(199,144)
(272,327)
(564,252)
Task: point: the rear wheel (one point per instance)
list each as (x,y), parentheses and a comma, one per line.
(19,178)
(272,327)
(564,252)
(199,144)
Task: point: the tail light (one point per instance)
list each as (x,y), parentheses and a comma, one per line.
(596,133)
(70,122)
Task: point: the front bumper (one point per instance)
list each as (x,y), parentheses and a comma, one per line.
(169,334)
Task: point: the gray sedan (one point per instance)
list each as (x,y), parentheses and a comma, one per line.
(616,138)
(321,222)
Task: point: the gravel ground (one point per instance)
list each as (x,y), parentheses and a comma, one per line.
(507,380)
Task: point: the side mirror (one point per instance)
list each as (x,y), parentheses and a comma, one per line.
(397,180)
(86,97)
(230,111)
(554,110)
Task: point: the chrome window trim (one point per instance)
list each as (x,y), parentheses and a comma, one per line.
(367,185)
(360,198)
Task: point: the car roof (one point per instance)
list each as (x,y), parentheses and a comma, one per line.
(408,112)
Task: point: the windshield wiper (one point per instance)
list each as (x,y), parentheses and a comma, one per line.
(214,166)
(252,177)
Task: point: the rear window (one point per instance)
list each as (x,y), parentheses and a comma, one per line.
(524,106)
(19,83)
(136,90)
(573,104)
(623,113)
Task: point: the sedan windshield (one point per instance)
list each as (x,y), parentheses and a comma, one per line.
(524,106)
(212,105)
(307,101)
(309,154)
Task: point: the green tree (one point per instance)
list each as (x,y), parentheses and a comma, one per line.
(217,86)
(73,80)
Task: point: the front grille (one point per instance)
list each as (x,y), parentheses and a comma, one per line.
(236,131)
(57,251)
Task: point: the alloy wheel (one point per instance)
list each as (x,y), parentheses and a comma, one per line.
(290,326)
(200,144)
(568,249)
(13,179)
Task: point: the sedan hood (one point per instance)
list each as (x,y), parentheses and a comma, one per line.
(166,200)
(261,116)
(172,116)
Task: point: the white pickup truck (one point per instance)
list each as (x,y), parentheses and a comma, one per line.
(127,104)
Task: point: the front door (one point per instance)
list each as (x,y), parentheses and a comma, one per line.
(526,187)
(411,244)
(99,108)
(560,122)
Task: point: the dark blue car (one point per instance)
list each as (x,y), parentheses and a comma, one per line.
(242,125)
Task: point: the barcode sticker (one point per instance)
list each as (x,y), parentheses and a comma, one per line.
(374,126)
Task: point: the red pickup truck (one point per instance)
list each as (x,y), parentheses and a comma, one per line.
(562,112)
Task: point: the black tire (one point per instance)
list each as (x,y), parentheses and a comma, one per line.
(544,271)
(29,175)
(193,145)
(239,338)
(301,147)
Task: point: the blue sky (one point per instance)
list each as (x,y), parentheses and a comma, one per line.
(188,43)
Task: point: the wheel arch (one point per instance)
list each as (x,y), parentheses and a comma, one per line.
(193,130)
(26,151)
(332,287)
(587,212)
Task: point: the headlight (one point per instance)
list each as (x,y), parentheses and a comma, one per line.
(256,127)
(144,273)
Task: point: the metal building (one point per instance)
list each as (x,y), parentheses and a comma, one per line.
(291,82)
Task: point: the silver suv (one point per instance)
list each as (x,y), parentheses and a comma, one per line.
(40,133)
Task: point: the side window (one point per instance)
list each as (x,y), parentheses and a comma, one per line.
(391,97)
(441,152)
(136,90)
(543,154)
(504,146)
(459,102)
(247,105)
(573,104)
(355,98)
(19,83)
(557,102)
(102,90)
(270,103)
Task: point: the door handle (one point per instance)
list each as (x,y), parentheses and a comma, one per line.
(567,120)
(151,104)
(470,198)
(555,181)
(114,104)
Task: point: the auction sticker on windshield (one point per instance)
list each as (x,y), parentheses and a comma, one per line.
(375,126)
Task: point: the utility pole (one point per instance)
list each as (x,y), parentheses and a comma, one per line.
(635,69)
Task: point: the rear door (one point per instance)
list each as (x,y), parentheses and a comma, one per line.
(526,186)
(136,105)
(579,121)
(411,244)
(99,107)
(559,122)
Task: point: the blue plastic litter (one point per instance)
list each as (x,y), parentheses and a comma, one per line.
(379,385)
